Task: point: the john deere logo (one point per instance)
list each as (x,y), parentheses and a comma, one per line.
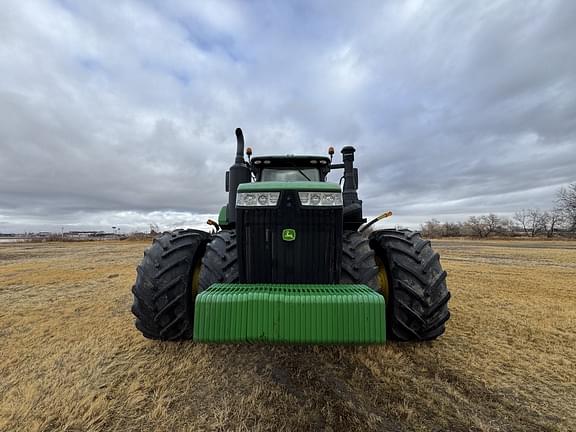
(289,234)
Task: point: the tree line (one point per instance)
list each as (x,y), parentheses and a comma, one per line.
(531,222)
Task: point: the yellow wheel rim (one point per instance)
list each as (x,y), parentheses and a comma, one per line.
(382,278)
(196,280)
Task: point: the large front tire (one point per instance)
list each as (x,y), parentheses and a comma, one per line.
(220,263)
(358,265)
(414,284)
(166,285)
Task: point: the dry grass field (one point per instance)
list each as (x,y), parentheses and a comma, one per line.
(71,360)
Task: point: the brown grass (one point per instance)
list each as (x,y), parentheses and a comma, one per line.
(70,358)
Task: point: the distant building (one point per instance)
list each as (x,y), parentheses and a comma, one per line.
(82,234)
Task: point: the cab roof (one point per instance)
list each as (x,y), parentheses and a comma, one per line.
(280,160)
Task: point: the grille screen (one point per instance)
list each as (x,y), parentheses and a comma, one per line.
(314,256)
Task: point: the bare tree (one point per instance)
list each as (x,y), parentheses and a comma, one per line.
(551,219)
(478,226)
(492,223)
(506,226)
(452,229)
(431,228)
(567,205)
(483,226)
(522,218)
(537,221)
(532,221)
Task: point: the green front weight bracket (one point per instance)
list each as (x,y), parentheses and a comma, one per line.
(283,313)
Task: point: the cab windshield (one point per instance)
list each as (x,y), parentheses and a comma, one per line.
(290,174)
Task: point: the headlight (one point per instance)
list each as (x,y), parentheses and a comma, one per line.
(320,198)
(257,199)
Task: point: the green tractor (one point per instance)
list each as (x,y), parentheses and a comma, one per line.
(291,261)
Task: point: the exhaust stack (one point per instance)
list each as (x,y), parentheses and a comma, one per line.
(238,173)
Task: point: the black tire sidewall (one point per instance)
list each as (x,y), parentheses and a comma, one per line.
(163,297)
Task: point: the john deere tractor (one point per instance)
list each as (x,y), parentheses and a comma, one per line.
(290,260)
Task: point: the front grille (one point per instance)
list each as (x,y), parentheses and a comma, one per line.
(315,255)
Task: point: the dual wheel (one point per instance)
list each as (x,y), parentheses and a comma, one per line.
(397,263)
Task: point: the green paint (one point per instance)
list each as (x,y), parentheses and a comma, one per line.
(288,234)
(303,313)
(223,216)
(305,186)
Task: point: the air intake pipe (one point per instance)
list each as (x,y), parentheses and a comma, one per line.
(238,173)
(352,205)
(349,191)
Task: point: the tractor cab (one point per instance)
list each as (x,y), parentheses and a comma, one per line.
(295,173)
(290,168)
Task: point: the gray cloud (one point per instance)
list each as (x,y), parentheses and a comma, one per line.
(123,114)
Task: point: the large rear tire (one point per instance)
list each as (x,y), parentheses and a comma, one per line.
(166,285)
(220,262)
(414,285)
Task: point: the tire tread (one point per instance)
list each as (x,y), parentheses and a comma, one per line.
(163,303)
(418,297)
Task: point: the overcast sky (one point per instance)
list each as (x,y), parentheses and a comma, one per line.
(123,113)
